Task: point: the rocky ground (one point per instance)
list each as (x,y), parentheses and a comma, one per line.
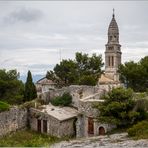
(108,141)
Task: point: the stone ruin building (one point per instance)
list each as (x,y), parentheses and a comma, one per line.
(80,119)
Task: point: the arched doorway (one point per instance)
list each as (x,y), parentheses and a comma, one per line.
(101,131)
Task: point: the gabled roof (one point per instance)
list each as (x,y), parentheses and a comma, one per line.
(44,80)
(60,113)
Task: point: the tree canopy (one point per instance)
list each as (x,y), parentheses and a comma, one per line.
(135,75)
(82,70)
(11,89)
(118,108)
(30,90)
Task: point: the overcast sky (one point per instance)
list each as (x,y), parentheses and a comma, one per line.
(33,33)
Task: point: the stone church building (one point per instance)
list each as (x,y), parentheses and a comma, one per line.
(112,57)
(80,119)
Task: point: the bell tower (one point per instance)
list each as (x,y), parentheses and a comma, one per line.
(113,51)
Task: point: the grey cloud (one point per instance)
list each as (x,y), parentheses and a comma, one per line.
(40,66)
(69,26)
(23,14)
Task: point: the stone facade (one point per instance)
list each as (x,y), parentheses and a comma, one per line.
(113,51)
(83,98)
(55,126)
(88,111)
(12,120)
(44,85)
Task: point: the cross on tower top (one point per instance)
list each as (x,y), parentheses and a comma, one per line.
(113,12)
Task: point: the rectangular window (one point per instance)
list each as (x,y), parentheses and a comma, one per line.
(109,61)
(112,61)
(39,125)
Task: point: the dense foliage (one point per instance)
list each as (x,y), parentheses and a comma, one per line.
(82,70)
(11,89)
(87,80)
(120,108)
(30,90)
(4,106)
(139,130)
(135,75)
(64,100)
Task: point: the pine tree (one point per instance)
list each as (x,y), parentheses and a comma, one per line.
(30,90)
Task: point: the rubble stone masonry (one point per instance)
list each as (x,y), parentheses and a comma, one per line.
(12,120)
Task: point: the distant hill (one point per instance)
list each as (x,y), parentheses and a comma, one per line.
(35,77)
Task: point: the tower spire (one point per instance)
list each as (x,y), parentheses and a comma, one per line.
(113,50)
(113,12)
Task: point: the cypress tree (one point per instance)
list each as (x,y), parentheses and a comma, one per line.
(30,90)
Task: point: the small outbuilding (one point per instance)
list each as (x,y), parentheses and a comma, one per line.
(54,120)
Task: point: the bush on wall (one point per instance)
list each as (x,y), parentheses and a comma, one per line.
(4,106)
(64,100)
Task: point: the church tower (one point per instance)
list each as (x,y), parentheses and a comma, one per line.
(113,51)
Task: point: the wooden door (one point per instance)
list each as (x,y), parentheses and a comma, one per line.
(39,125)
(101,131)
(45,126)
(90,126)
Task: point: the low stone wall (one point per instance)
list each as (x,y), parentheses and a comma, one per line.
(12,120)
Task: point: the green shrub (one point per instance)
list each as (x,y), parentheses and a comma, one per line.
(64,100)
(87,80)
(139,130)
(4,106)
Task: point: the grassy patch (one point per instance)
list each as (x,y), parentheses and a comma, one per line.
(4,106)
(28,138)
(117,130)
(139,130)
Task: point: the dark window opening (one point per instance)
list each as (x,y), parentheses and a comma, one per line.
(39,125)
(101,131)
(45,126)
(112,61)
(108,61)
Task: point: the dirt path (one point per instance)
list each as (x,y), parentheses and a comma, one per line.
(111,141)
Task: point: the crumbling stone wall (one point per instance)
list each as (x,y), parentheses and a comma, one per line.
(78,92)
(87,109)
(12,120)
(109,87)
